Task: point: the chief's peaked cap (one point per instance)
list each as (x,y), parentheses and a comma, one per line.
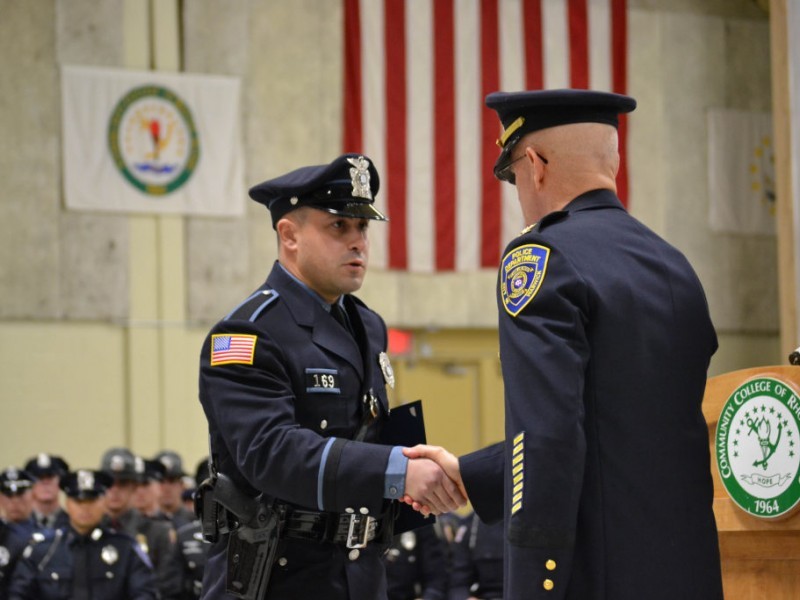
(525,112)
(548,108)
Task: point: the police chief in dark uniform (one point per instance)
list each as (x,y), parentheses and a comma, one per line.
(605,342)
(83,561)
(292,383)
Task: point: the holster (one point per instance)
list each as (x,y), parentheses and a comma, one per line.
(253,527)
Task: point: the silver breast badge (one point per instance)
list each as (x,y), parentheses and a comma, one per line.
(109,554)
(386,368)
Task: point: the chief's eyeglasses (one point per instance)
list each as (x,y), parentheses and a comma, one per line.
(506,173)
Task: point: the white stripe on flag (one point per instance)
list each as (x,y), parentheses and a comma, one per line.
(468,158)
(600,45)
(555,30)
(420,132)
(373,61)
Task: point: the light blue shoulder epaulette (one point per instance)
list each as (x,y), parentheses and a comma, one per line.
(252,307)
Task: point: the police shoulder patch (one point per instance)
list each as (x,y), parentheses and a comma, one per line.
(521,275)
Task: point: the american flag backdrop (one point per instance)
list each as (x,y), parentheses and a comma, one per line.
(416,74)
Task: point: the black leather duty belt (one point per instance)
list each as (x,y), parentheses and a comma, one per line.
(353,530)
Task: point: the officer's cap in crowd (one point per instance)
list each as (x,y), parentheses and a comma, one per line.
(120,463)
(346,187)
(173,464)
(85,484)
(149,470)
(47,465)
(14,481)
(524,112)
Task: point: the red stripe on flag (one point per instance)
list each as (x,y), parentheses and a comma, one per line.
(353,134)
(490,187)
(578,44)
(396,144)
(444,134)
(532,34)
(619,84)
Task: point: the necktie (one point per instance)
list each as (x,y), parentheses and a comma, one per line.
(80,576)
(338,313)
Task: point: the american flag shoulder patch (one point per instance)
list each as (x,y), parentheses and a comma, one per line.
(232,349)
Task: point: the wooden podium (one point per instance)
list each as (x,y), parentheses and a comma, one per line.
(760,557)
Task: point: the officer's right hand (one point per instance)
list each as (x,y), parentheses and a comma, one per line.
(431,488)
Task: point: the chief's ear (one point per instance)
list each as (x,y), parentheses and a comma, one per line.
(538,167)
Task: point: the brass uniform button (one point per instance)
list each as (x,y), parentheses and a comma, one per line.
(550,565)
(548,584)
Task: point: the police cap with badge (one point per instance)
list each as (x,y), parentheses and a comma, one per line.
(14,482)
(47,465)
(85,484)
(172,463)
(120,463)
(149,470)
(346,187)
(522,113)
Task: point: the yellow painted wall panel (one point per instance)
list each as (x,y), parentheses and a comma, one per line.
(63,391)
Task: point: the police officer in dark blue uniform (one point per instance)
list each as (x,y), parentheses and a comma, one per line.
(156,537)
(48,469)
(172,487)
(17,500)
(147,492)
(83,561)
(192,547)
(416,566)
(605,342)
(11,546)
(292,383)
(476,571)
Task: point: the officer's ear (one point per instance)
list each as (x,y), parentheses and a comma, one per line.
(287,229)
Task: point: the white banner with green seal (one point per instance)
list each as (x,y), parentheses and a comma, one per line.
(151,142)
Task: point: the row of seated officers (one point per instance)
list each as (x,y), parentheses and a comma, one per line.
(128,530)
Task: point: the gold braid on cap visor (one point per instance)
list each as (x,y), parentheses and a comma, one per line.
(510,131)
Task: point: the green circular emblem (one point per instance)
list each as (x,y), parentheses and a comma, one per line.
(756,446)
(153,140)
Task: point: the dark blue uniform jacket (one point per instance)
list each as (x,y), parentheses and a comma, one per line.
(605,340)
(284,425)
(11,546)
(117,568)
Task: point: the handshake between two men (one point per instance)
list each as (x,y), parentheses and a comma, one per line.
(433,480)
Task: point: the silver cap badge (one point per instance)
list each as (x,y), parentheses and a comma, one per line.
(359,176)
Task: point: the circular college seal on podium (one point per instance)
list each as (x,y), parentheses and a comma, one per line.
(153,140)
(757,446)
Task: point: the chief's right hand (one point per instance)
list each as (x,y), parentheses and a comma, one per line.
(429,485)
